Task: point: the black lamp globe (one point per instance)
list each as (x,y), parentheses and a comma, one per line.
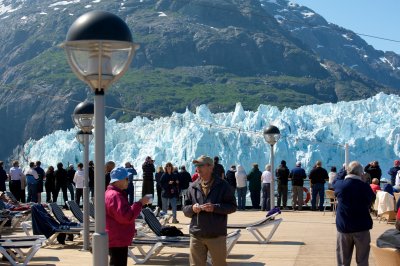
(99,48)
(272,135)
(83,116)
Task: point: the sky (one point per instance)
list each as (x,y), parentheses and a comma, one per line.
(372,17)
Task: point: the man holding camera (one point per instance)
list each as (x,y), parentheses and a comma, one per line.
(209,200)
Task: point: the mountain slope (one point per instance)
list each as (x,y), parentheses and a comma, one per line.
(214,52)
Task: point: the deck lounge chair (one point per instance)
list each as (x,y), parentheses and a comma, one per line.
(58,213)
(16,217)
(76,211)
(254,228)
(44,224)
(158,242)
(12,248)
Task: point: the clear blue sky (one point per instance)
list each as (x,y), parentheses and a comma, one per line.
(373,17)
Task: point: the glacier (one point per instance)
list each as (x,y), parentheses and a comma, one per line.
(309,133)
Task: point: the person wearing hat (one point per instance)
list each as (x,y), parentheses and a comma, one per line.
(393,172)
(120,216)
(209,200)
(297,175)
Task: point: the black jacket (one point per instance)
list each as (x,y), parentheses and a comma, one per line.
(218,170)
(148,170)
(318,175)
(3,179)
(230,178)
(169,190)
(282,174)
(61,177)
(374,172)
(184,180)
(210,224)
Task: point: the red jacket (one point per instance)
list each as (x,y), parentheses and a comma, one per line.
(120,217)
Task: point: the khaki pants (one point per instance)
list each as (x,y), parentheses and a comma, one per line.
(297,192)
(199,247)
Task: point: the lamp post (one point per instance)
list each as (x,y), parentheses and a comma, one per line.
(83,118)
(271,136)
(99,50)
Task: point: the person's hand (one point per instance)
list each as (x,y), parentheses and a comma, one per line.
(207,207)
(145,200)
(170,182)
(196,208)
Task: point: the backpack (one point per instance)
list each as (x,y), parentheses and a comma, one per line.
(171,231)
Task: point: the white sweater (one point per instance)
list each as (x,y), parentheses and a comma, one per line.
(79,178)
(241,177)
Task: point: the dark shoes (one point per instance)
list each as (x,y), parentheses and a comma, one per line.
(175,221)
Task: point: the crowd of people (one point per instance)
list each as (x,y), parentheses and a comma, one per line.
(212,190)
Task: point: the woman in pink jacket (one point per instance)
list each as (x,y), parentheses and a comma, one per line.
(120,217)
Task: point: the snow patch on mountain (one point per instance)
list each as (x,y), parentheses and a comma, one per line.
(63,3)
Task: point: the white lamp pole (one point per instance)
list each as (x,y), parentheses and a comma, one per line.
(83,119)
(271,136)
(99,49)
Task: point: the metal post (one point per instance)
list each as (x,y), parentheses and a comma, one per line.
(100,238)
(86,193)
(272,188)
(346,154)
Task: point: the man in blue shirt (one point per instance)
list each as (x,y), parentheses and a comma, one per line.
(353,220)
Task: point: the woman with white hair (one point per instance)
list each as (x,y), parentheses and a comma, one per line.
(353,220)
(266,179)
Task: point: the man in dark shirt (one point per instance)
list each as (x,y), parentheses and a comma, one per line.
(318,176)
(218,169)
(297,175)
(282,175)
(148,178)
(184,180)
(70,177)
(230,177)
(39,185)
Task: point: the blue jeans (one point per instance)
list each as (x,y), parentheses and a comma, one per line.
(241,194)
(165,204)
(266,199)
(32,192)
(317,189)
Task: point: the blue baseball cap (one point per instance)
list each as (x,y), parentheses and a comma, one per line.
(118,173)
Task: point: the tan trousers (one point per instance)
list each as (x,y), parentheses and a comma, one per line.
(199,247)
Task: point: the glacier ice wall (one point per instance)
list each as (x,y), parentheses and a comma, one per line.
(309,133)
